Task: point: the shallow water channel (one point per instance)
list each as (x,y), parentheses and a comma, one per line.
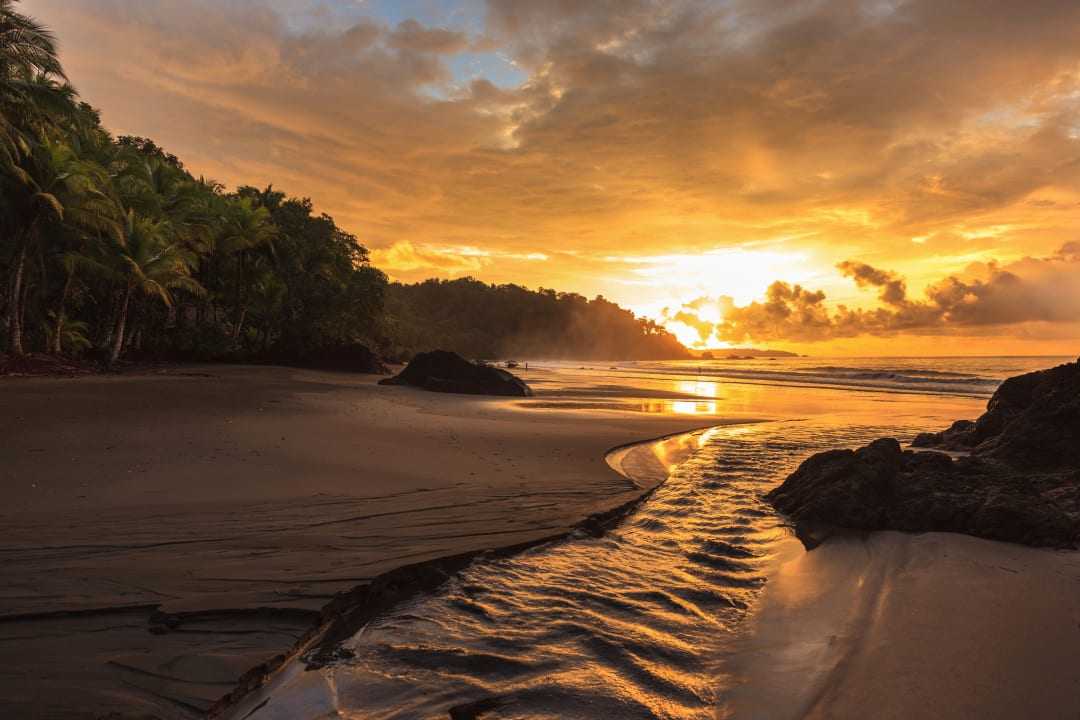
(634,624)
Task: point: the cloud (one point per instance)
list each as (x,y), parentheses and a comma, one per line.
(893,287)
(407,258)
(990,298)
(704,328)
(411,35)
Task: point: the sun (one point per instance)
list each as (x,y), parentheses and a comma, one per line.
(696,287)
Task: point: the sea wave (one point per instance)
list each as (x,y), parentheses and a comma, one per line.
(891,379)
(921,372)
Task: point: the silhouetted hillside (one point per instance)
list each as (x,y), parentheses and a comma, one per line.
(493,321)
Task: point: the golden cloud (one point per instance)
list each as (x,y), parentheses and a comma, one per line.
(988,298)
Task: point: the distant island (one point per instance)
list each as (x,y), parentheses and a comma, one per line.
(742,354)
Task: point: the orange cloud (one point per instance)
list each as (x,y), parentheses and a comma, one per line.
(989,299)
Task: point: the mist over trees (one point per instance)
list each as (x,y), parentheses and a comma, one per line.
(111,248)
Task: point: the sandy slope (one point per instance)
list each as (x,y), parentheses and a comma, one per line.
(905,627)
(219,490)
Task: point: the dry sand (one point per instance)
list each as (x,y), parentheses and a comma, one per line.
(240,499)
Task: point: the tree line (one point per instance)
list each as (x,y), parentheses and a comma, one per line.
(510,321)
(110,247)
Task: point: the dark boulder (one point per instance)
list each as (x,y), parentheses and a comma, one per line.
(959,436)
(1032,419)
(1020,482)
(443,371)
(354,358)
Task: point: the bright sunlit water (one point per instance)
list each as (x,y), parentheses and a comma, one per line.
(967,376)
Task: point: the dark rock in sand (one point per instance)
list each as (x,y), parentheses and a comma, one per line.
(1020,483)
(443,371)
(354,357)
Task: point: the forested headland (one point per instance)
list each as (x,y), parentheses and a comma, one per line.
(495,321)
(111,249)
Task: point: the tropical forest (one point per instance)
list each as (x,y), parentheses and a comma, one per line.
(111,250)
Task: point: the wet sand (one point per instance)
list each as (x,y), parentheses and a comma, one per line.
(165,532)
(907,627)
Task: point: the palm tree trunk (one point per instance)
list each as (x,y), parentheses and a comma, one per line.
(118,340)
(238,297)
(57,344)
(239,324)
(15,342)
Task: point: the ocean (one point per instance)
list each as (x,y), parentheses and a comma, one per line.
(965,376)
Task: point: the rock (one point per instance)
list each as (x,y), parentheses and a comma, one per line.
(354,357)
(1032,419)
(1020,483)
(959,436)
(443,371)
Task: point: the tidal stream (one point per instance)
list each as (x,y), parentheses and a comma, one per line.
(634,624)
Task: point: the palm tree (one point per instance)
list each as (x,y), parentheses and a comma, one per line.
(25,45)
(64,332)
(28,57)
(248,227)
(55,191)
(151,262)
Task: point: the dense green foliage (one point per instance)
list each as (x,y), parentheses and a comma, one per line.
(109,247)
(499,321)
(111,244)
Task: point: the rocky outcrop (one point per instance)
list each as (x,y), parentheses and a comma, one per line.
(443,371)
(350,358)
(1019,482)
(355,358)
(1032,420)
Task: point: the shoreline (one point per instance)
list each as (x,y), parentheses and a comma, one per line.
(351,611)
(279,489)
(929,625)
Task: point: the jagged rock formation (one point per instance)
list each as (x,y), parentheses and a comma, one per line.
(443,371)
(1020,482)
(1031,420)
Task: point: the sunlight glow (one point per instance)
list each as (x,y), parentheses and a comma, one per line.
(742,274)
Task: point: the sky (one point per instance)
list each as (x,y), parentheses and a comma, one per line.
(824,176)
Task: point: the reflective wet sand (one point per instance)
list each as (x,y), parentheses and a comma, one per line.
(636,624)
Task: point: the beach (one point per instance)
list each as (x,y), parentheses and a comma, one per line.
(241,499)
(937,625)
(168,531)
